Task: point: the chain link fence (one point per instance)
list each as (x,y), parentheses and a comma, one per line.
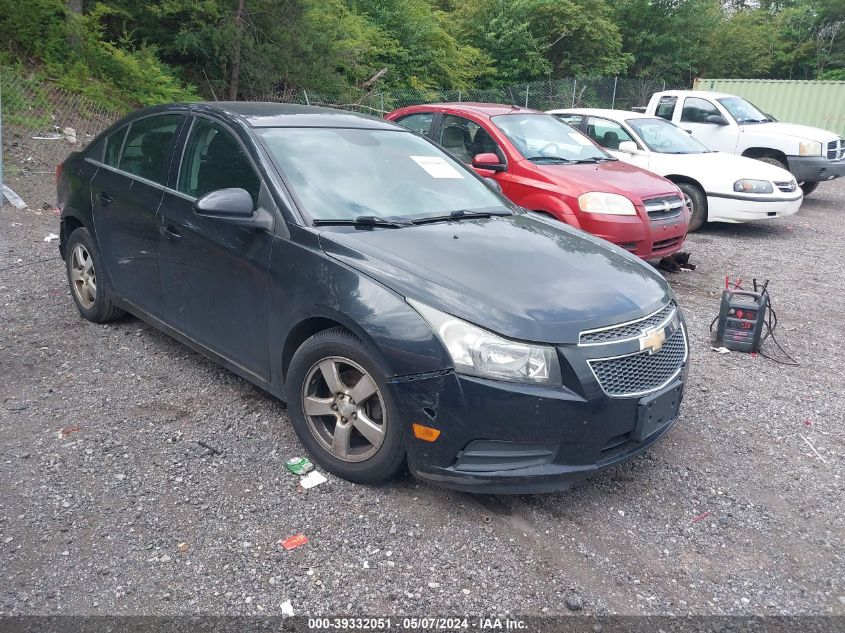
(41,124)
(621,93)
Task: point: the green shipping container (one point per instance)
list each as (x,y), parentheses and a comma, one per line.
(817,103)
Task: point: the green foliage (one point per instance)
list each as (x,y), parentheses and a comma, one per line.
(75,55)
(125,53)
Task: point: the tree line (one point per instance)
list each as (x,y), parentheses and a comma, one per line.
(158,50)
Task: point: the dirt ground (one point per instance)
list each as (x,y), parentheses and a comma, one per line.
(739,510)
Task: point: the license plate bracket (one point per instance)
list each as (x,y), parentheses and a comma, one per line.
(656,410)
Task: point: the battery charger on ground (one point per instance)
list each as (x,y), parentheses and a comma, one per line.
(746,319)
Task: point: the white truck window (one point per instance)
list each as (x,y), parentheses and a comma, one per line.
(666,107)
(696,110)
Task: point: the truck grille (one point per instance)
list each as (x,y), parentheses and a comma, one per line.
(629,330)
(642,372)
(787,187)
(664,207)
(836,149)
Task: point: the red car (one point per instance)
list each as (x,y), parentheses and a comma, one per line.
(544,165)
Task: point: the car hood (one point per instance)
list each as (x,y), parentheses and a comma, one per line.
(611,177)
(792,129)
(728,164)
(521,276)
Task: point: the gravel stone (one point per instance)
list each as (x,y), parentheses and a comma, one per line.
(741,451)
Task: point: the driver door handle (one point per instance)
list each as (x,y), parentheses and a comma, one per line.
(169,231)
(105,198)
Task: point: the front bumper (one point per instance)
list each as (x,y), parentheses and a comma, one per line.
(815,168)
(734,209)
(646,238)
(499,437)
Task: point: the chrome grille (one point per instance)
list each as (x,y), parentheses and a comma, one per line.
(836,149)
(642,372)
(628,330)
(663,207)
(787,187)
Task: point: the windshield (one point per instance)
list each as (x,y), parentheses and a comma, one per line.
(743,111)
(541,137)
(348,173)
(664,137)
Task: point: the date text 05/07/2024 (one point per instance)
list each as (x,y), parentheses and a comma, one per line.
(417,623)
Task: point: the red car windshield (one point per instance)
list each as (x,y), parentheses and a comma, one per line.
(542,137)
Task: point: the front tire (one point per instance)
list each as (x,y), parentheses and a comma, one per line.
(699,205)
(341,409)
(88,281)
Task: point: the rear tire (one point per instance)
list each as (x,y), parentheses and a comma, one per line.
(699,205)
(342,410)
(89,283)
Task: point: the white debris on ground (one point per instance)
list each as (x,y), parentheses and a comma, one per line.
(12,197)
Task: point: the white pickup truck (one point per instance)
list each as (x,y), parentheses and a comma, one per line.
(727,123)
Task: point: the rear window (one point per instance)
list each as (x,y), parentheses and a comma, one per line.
(114,142)
(666,107)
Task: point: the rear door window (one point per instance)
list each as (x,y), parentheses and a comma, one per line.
(214,160)
(146,150)
(573,120)
(419,122)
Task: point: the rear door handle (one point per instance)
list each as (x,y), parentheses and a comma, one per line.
(169,231)
(105,199)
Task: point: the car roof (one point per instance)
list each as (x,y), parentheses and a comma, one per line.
(696,93)
(605,112)
(268,114)
(482,109)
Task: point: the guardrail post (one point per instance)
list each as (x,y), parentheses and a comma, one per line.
(526,95)
(574,83)
(307,102)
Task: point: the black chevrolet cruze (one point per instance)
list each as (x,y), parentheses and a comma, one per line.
(403,308)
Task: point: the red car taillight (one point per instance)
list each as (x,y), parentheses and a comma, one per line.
(59,172)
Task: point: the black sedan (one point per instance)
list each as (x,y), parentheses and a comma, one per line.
(404,310)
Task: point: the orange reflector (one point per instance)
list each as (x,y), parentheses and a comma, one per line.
(425,432)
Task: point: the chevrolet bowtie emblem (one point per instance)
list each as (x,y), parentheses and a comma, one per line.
(653,341)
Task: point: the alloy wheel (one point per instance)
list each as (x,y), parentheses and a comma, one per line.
(83,277)
(344,409)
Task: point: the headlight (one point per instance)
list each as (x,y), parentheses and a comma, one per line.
(607,203)
(809,148)
(478,352)
(753,186)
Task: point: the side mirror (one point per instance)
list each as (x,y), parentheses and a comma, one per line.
(716,119)
(488,161)
(226,204)
(233,206)
(629,147)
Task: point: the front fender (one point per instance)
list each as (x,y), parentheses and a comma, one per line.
(552,204)
(306,283)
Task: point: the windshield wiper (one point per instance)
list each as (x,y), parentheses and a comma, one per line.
(557,159)
(593,160)
(459,214)
(361,220)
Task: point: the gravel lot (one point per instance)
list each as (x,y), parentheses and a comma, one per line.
(103,477)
